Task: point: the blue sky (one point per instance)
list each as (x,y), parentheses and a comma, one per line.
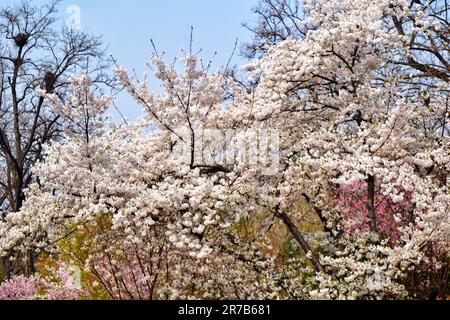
(128,25)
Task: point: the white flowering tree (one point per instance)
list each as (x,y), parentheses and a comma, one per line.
(128,209)
(337,134)
(361,145)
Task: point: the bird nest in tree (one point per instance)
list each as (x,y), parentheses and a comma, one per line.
(49,81)
(21,39)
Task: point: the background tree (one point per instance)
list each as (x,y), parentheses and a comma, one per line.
(34,53)
(276,21)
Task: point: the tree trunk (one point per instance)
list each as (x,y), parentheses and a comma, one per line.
(371,203)
(6,268)
(29,264)
(300,239)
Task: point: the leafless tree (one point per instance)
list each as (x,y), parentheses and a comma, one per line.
(34,53)
(276,20)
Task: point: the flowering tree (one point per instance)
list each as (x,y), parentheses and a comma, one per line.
(153,209)
(18,288)
(355,149)
(34,52)
(143,219)
(60,284)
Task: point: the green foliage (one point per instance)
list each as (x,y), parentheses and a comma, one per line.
(74,250)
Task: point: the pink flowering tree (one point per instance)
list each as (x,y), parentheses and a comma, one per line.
(389,216)
(59,284)
(18,288)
